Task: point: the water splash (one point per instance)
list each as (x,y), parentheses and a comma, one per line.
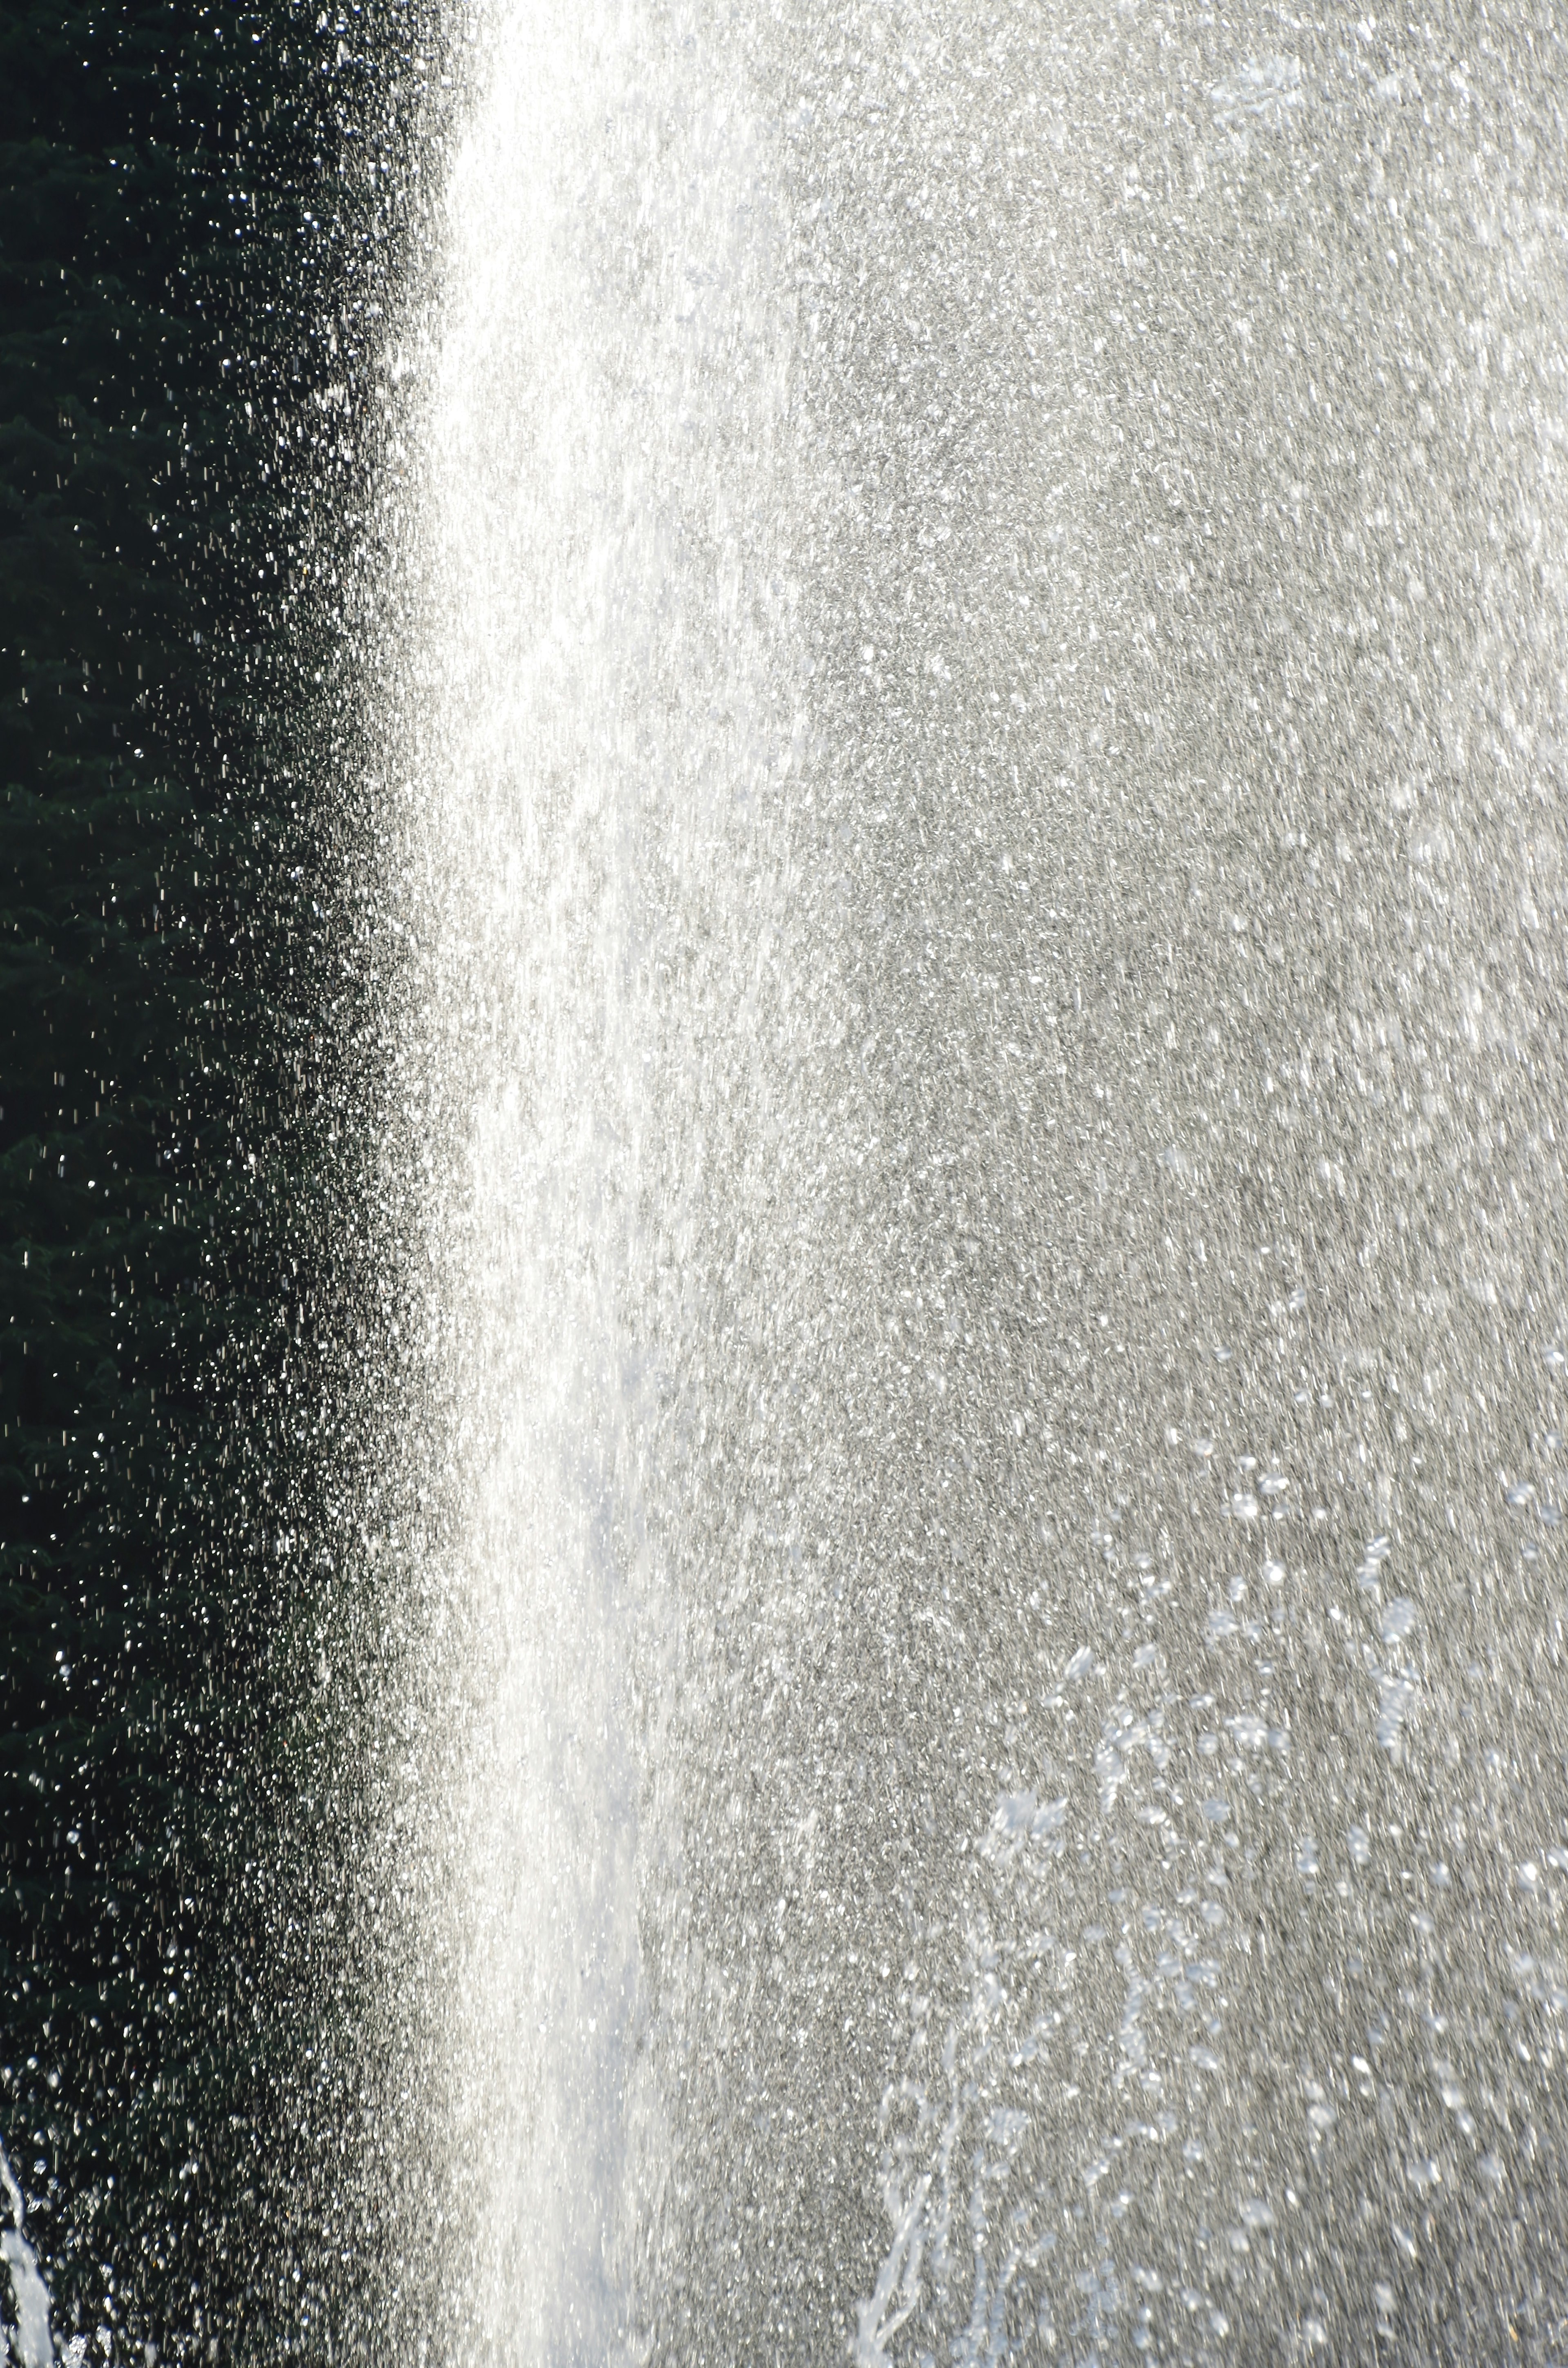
(31,2342)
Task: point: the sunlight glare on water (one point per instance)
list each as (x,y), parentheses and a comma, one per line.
(972,740)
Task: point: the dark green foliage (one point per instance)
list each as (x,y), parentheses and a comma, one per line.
(195,240)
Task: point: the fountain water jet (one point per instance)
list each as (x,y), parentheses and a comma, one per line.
(590,727)
(969,1049)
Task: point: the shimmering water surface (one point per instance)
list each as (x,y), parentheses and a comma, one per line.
(968,732)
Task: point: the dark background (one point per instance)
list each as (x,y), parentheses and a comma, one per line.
(202,214)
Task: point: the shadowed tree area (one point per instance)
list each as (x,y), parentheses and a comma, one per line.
(197,228)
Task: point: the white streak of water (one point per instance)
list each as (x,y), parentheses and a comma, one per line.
(31,2340)
(595,757)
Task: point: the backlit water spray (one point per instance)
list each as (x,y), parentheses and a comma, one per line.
(31,2343)
(969,764)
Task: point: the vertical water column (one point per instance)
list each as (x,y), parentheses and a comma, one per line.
(589,738)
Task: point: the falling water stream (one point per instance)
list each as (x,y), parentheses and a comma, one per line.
(969,748)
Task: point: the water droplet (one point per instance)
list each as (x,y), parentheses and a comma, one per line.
(1397,1698)
(1397,1620)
